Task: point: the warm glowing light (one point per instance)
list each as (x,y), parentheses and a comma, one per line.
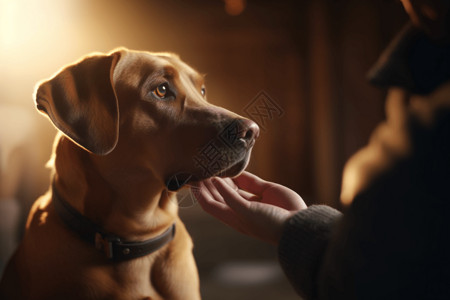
(234,7)
(43,218)
(23,22)
(29,30)
(7,13)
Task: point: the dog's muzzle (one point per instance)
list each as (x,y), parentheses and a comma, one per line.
(227,154)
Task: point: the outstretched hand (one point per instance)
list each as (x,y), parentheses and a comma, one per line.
(249,204)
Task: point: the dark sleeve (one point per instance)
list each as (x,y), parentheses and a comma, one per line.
(302,246)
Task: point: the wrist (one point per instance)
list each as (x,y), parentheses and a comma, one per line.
(281,225)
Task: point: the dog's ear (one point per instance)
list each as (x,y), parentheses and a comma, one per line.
(81,102)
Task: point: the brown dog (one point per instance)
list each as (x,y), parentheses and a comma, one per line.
(135,127)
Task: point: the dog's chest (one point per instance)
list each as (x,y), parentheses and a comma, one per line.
(128,280)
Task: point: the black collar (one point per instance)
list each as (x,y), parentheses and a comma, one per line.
(111,245)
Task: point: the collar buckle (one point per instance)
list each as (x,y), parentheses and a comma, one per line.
(104,243)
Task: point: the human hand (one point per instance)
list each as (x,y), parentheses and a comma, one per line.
(249,204)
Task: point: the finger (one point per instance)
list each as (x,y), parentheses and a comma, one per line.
(215,193)
(251,183)
(217,209)
(213,190)
(248,196)
(208,202)
(243,193)
(231,196)
(231,183)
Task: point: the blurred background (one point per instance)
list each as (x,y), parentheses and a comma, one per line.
(298,68)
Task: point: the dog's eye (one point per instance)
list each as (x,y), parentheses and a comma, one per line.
(161,91)
(203,91)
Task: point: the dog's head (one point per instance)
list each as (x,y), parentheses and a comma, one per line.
(148,111)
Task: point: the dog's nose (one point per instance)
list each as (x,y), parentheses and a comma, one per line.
(243,130)
(248,130)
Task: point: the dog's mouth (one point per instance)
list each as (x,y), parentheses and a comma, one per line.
(238,167)
(227,155)
(224,165)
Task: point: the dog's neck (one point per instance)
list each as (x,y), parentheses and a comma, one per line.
(127,201)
